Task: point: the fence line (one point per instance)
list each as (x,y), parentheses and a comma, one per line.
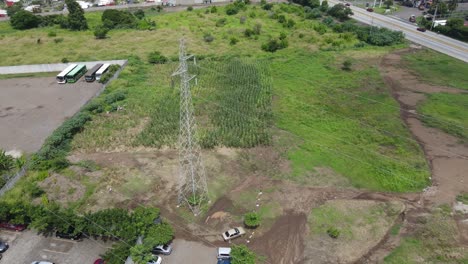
(18,175)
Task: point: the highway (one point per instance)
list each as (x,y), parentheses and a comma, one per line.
(443,44)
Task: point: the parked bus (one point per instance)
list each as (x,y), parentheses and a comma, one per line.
(76,73)
(102,70)
(61,76)
(91,74)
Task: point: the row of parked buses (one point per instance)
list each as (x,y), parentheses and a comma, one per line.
(74,72)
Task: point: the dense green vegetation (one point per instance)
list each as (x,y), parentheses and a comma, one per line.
(448,112)
(438,68)
(242,255)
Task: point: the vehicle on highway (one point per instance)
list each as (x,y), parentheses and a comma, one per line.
(233,233)
(421,29)
(370,9)
(3,246)
(162,249)
(156,260)
(99,261)
(68,235)
(13,227)
(42,262)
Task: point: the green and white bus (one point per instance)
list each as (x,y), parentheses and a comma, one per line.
(61,77)
(76,73)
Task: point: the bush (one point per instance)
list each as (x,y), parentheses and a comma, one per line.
(108,75)
(213,9)
(156,57)
(231,10)
(112,18)
(59,40)
(267,6)
(221,22)
(52,34)
(324,6)
(6,162)
(24,20)
(347,65)
(100,32)
(233,41)
(274,44)
(313,14)
(333,232)
(290,23)
(65,60)
(340,12)
(208,38)
(140,14)
(190,8)
(252,220)
(240,254)
(75,19)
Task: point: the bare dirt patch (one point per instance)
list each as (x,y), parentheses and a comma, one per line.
(31,108)
(285,244)
(447,156)
(62,189)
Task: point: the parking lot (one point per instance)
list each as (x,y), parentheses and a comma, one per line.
(31,108)
(27,246)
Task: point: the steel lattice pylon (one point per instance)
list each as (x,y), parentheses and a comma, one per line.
(192,180)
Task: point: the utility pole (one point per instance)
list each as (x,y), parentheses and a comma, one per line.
(434,18)
(192,187)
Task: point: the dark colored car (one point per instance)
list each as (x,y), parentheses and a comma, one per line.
(68,235)
(3,246)
(13,227)
(370,9)
(224,261)
(421,29)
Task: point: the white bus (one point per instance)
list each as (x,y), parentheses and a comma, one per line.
(101,71)
(61,76)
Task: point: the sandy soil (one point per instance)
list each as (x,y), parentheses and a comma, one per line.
(31,108)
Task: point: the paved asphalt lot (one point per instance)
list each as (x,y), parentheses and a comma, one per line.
(27,246)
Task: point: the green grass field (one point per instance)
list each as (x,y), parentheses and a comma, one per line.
(438,68)
(448,112)
(343,120)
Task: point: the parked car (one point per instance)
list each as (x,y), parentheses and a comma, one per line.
(68,235)
(421,29)
(233,233)
(370,9)
(99,261)
(3,246)
(13,227)
(224,253)
(162,249)
(42,262)
(347,4)
(412,19)
(156,260)
(224,261)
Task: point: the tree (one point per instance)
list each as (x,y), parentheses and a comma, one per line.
(100,32)
(455,22)
(252,219)
(242,255)
(340,11)
(441,7)
(388,3)
(76,18)
(324,6)
(24,20)
(140,14)
(112,18)
(452,5)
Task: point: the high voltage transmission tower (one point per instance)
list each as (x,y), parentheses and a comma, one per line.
(192,179)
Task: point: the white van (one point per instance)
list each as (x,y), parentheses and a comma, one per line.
(224,253)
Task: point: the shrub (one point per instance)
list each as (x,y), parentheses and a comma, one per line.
(24,20)
(52,34)
(213,9)
(242,19)
(240,254)
(109,74)
(231,9)
(208,38)
(100,32)
(156,57)
(257,29)
(59,40)
(190,8)
(140,14)
(252,220)
(112,18)
(6,162)
(340,12)
(221,22)
(324,6)
(233,41)
(333,232)
(267,6)
(290,23)
(313,14)
(64,60)
(347,65)
(75,19)
(274,44)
